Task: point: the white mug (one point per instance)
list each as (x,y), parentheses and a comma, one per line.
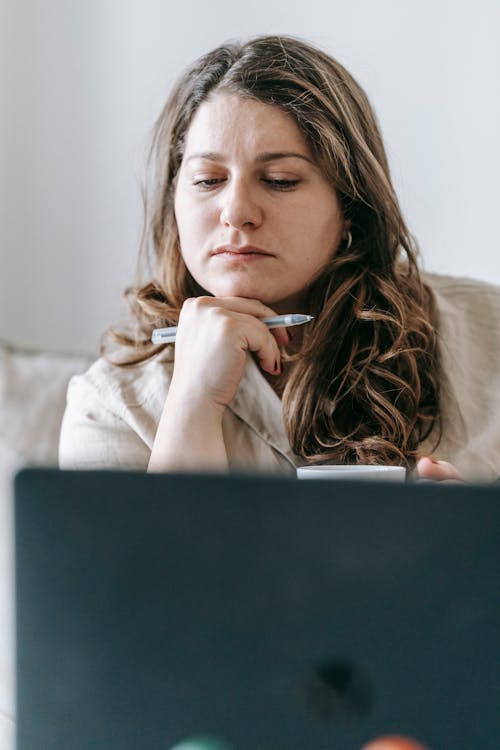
(360,471)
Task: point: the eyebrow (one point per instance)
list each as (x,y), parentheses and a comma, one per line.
(265,157)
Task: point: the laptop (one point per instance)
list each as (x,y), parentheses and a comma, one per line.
(263,612)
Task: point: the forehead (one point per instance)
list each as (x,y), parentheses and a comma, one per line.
(229,123)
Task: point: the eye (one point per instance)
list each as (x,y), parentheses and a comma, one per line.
(208,182)
(281,184)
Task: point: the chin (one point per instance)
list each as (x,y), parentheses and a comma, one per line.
(247,291)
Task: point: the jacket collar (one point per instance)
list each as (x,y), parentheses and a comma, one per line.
(259,407)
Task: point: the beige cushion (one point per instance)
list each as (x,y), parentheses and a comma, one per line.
(32,399)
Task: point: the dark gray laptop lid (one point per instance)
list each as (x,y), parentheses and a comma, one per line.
(272,613)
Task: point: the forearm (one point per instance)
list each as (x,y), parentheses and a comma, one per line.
(189,438)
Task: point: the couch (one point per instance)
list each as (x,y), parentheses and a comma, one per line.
(32,399)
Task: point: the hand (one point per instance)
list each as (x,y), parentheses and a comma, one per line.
(213,337)
(438,471)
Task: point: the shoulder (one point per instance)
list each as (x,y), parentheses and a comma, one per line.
(468,323)
(122,386)
(112,412)
(468,296)
(468,311)
(469,343)
(468,314)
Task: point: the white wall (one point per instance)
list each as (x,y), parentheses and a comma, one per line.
(81,82)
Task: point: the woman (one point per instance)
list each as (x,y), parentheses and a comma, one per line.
(272,195)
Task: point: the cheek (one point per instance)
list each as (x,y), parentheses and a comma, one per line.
(178,215)
(192,216)
(320,213)
(184,229)
(186,225)
(331,225)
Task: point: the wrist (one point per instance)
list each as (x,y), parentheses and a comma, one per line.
(189,436)
(193,400)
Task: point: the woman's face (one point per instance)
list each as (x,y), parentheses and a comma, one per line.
(256,218)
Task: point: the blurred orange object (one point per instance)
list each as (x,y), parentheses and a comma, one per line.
(394,743)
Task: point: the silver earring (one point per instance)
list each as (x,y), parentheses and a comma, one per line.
(349,240)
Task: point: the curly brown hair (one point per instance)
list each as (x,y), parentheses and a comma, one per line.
(364,387)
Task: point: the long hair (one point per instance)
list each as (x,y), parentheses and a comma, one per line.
(364,385)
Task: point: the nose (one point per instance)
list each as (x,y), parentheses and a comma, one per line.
(240,208)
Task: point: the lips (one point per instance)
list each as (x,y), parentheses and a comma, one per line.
(234,250)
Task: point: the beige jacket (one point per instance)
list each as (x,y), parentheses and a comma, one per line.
(112,412)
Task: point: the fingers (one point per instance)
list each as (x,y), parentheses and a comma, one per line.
(236,321)
(438,471)
(246,306)
(257,338)
(236,304)
(394,743)
(281,335)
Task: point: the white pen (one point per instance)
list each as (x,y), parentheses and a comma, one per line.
(167,335)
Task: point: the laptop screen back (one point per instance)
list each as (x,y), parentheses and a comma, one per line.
(272,613)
